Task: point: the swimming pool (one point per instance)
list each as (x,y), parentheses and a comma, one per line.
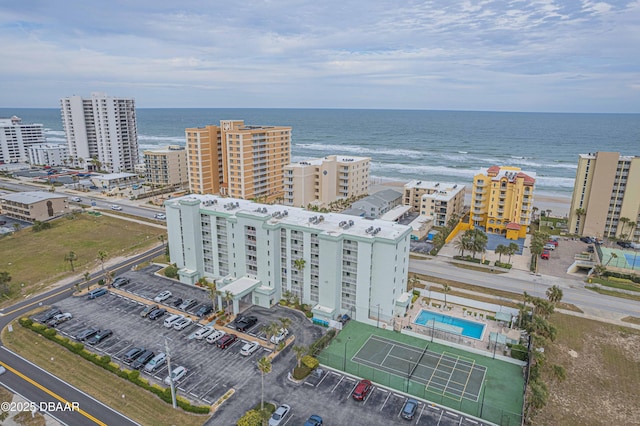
(451,324)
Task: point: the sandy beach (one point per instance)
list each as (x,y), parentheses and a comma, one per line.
(559,206)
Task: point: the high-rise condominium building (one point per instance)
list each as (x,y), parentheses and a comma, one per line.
(606,196)
(257,252)
(502,201)
(101,129)
(238,160)
(323,180)
(166,167)
(16,138)
(439,201)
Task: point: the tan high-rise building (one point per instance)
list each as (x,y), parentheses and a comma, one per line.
(166,166)
(438,200)
(320,181)
(502,201)
(607,189)
(238,160)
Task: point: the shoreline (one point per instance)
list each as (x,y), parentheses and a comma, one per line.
(558,205)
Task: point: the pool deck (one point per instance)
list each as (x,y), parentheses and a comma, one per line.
(463,312)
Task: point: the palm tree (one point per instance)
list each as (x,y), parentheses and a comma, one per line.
(161,237)
(70,257)
(534,210)
(228,297)
(300,352)
(463,243)
(513,249)
(501,249)
(299,264)
(439,240)
(624,221)
(548,212)
(213,293)
(16,227)
(580,212)
(102,255)
(285,322)
(87,278)
(445,289)
(632,226)
(613,256)
(554,294)
(264,365)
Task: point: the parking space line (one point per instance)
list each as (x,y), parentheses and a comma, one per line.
(385,401)
(193,387)
(337,384)
(322,380)
(368,396)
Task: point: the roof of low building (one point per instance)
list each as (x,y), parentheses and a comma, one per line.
(30,197)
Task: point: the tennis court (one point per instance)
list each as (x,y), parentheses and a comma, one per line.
(446,374)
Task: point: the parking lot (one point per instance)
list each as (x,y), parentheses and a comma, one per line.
(211,370)
(385,404)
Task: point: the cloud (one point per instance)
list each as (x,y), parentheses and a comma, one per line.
(489,55)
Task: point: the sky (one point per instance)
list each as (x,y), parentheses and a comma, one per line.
(530,55)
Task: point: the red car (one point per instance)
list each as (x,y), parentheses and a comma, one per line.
(554,242)
(545,255)
(361,390)
(226,341)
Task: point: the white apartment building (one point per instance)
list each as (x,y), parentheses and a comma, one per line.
(439,201)
(16,138)
(167,166)
(103,129)
(320,181)
(336,263)
(48,154)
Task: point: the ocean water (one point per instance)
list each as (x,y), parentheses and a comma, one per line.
(445,146)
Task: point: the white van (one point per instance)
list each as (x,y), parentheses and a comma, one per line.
(169,321)
(155,362)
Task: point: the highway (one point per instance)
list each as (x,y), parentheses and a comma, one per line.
(39,386)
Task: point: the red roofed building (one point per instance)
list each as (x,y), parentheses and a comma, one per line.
(502,201)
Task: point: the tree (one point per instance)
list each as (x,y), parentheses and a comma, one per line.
(161,237)
(300,352)
(87,278)
(228,297)
(270,330)
(554,294)
(534,210)
(299,264)
(285,322)
(580,212)
(538,241)
(102,255)
(445,289)
(70,257)
(613,256)
(624,221)
(213,294)
(264,365)
(500,250)
(5,279)
(548,212)
(463,243)
(632,226)
(512,249)
(16,227)
(439,240)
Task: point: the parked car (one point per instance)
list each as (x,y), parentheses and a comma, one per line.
(226,341)
(188,304)
(282,334)
(550,247)
(76,199)
(624,244)
(171,320)
(215,336)
(545,255)
(361,390)
(249,348)
(59,319)
(99,337)
(554,242)
(97,292)
(48,315)
(344,319)
(590,249)
(182,323)
(161,297)
(147,310)
(203,332)
(409,409)
(157,313)
(86,333)
(120,281)
(175,376)
(278,416)
(2,370)
(587,240)
(116,207)
(155,362)
(132,354)
(142,360)
(160,216)
(246,323)
(177,302)
(204,310)
(314,420)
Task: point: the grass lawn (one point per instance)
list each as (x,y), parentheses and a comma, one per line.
(613,293)
(502,398)
(138,404)
(37,258)
(602,374)
(622,285)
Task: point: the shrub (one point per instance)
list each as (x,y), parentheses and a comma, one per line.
(171,271)
(414,298)
(250,418)
(518,352)
(301,372)
(310,361)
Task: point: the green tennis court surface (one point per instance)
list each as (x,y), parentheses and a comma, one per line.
(448,374)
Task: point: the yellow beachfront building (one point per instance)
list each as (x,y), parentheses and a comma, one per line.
(502,201)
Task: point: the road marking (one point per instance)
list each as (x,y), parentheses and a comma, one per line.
(51,393)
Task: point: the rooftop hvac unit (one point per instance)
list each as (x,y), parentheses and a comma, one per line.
(321,218)
(341,224)
(264,210)
(285,213)
(313,219)
(350,222)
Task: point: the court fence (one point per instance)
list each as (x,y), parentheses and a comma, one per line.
(479,408)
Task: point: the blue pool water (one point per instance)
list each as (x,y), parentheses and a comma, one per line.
(466,328)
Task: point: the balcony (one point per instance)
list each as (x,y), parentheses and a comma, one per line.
(477,218)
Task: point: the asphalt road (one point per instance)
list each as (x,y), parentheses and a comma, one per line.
(519,281)
(37,385)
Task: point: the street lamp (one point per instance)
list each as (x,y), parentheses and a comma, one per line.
(409,372)
(344,360)
(173,388)
(378,317)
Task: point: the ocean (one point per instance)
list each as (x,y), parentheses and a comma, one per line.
(444,146)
